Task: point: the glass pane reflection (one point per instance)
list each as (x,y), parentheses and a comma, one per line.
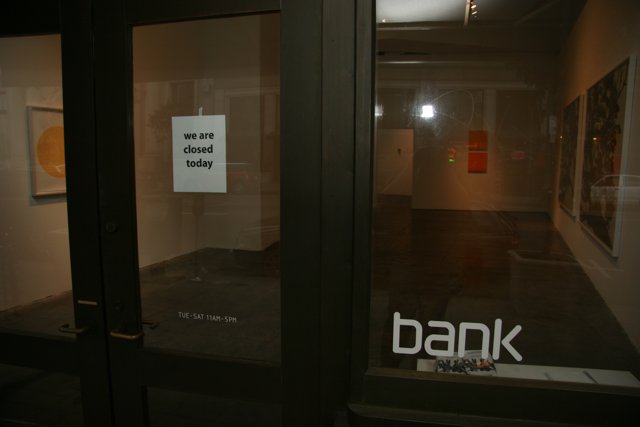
(171,408)
(35,270)
(486,258)
(209,258)
(31,397)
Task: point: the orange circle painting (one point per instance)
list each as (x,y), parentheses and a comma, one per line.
(50,151)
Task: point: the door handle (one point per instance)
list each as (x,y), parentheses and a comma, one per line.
(127,337)
(150,323)
(116,333)
(66,329)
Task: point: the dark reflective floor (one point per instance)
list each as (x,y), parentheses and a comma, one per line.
(461,266)
(215,301)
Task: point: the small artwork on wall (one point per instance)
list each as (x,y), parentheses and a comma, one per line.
(569,156)
(46,151)
(478,140)
(605,145)
(477,162)
(478,146)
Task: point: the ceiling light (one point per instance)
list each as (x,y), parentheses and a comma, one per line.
(471,11)
(428,111)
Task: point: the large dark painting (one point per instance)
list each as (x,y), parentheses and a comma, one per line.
(608,103)
(568,156)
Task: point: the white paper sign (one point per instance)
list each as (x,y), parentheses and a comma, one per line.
(199,154)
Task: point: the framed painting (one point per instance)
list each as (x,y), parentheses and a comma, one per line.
(46,151)
(605,146)
(478,147)
(569,157)
(477,162)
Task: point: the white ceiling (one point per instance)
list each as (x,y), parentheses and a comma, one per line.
(394,11)
(453,11)
(429,27)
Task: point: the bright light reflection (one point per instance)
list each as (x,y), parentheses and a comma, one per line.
(427,111)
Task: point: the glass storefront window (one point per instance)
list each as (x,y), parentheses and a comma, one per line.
(33,397)
(506,218)
(207,146)
(35,270)
(170,408)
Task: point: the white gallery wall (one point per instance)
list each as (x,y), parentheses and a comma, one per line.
(514,116)
(208,70)
(394,162)
(221,67)
(34,241)
(606,34)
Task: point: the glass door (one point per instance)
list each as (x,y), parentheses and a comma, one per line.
(204,238)
(206,134)
(165,266)
(35,268)
(53,368)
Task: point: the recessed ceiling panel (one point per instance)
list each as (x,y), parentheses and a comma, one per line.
(391,11)
(400,11)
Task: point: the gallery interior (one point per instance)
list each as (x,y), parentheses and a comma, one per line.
(488,202)
(506,178)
